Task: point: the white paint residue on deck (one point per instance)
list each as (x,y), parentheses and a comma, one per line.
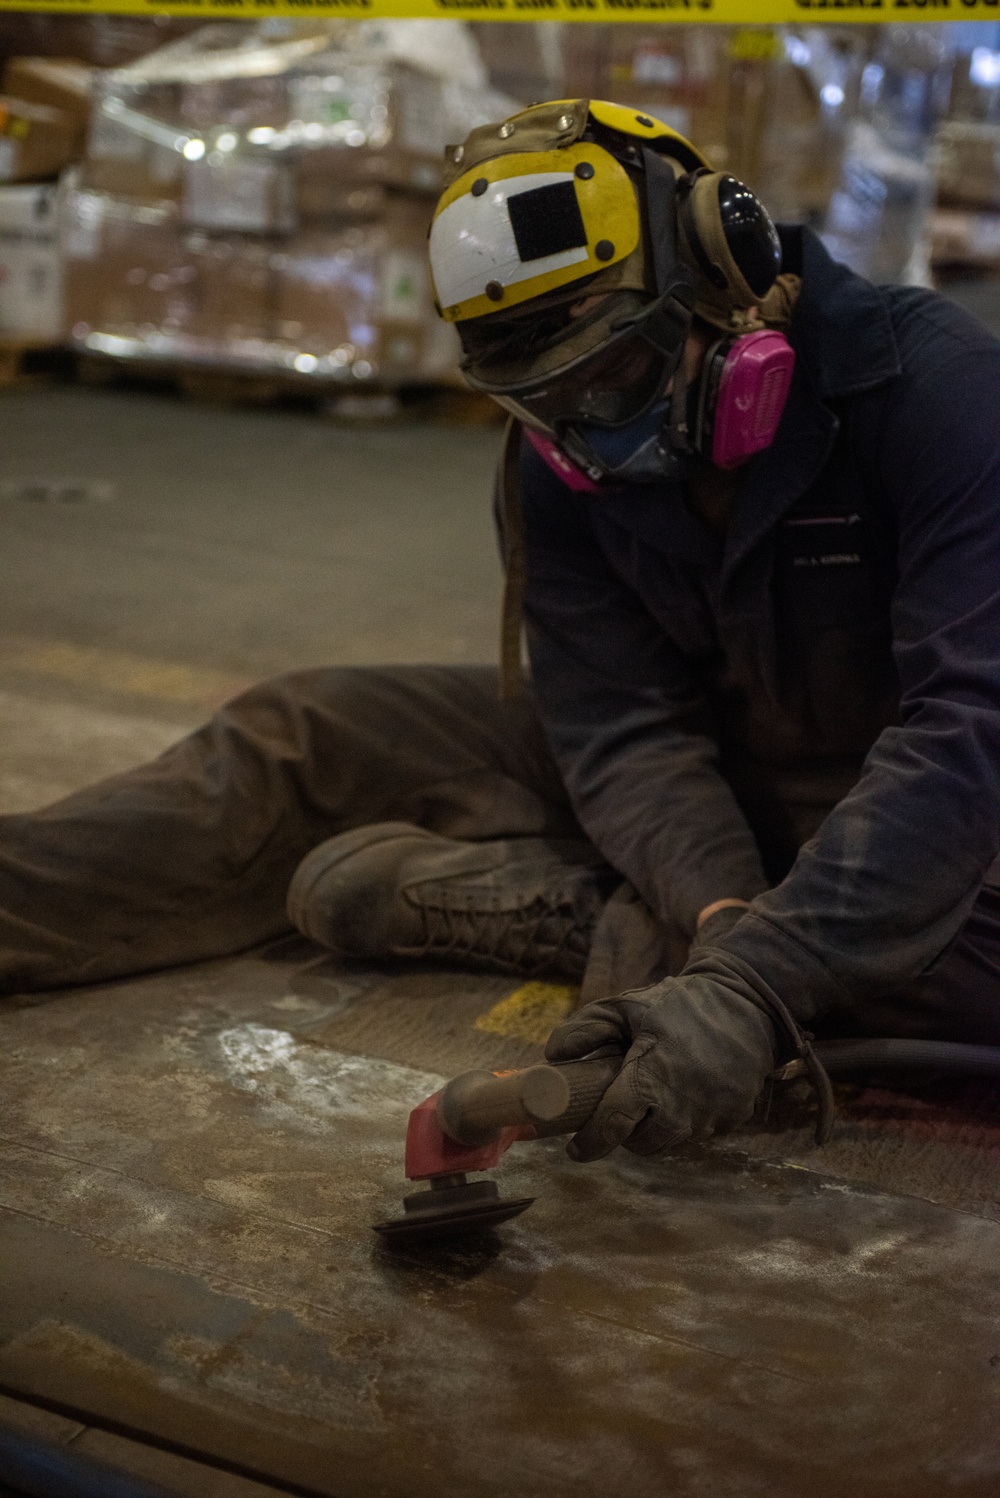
(318,1081)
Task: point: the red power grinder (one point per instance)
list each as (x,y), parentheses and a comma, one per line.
(469,1124)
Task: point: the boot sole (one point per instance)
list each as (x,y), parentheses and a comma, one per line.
(326,856)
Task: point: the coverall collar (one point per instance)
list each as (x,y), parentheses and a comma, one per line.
(841,329)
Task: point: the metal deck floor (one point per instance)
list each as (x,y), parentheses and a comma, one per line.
(190,1162)
(190,1171)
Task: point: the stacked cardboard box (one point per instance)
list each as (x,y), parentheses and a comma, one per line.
(769,104)
(333,300)
(44,111)
(30,283)
(966,223)
(265,204)
(44,108)
(526,59)
(101,41)
(967,164)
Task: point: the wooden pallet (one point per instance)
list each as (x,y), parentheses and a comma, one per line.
(965,240)
(14,351)
(353,404)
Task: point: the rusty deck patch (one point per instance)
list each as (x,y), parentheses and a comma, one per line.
(188,1170)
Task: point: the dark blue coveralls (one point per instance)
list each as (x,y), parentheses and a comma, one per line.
(709,701)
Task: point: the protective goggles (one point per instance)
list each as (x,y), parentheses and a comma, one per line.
(611,365)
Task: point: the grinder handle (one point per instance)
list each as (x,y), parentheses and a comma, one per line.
(475,1106)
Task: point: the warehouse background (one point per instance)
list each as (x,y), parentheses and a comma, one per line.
(235,437)
(251,201)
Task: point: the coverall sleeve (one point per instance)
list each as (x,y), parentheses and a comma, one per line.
(885,886)
(626,722)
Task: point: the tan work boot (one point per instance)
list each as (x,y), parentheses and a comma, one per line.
(517,905)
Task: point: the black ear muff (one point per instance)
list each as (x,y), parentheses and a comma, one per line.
(729,237)
(751,236)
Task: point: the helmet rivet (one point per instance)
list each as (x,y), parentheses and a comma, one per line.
(564,121)
(494,291)
(458,154)
(604,249)
(479,187)
(642,119)
(506,131)
(584,170)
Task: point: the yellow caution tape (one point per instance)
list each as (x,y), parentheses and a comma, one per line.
(731,12)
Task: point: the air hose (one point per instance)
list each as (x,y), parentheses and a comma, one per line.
(845,1058)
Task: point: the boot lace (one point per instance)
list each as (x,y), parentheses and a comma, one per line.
(541,936)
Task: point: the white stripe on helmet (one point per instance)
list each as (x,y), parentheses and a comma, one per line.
(472,242)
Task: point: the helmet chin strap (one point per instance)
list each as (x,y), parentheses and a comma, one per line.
(680,435)
(661,218)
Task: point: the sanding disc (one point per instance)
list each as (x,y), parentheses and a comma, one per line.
(450,1224)
(452,1212)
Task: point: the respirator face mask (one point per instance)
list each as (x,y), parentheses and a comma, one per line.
(728,414)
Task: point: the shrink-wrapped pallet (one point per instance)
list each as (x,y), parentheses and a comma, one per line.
(293,165)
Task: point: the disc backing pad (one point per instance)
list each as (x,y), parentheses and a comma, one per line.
(451,1211)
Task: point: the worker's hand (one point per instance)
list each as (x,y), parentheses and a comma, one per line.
(698,1052)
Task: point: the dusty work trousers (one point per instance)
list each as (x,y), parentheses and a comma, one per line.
(190,857)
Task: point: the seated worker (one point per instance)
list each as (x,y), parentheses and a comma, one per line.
(751,518)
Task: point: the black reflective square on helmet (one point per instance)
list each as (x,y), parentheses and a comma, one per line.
(546,221)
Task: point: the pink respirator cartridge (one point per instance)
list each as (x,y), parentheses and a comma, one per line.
(746,387)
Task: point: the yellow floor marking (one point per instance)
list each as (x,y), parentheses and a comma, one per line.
(530,1012)
(118,671)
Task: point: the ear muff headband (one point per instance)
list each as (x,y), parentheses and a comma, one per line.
(648,131)
(661,218)
(730,242)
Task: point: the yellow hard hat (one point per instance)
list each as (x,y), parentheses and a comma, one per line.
(533,206)
(571,246)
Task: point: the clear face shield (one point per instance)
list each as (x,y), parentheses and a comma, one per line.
(605,366)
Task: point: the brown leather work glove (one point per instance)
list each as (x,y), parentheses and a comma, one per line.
(699,1049)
